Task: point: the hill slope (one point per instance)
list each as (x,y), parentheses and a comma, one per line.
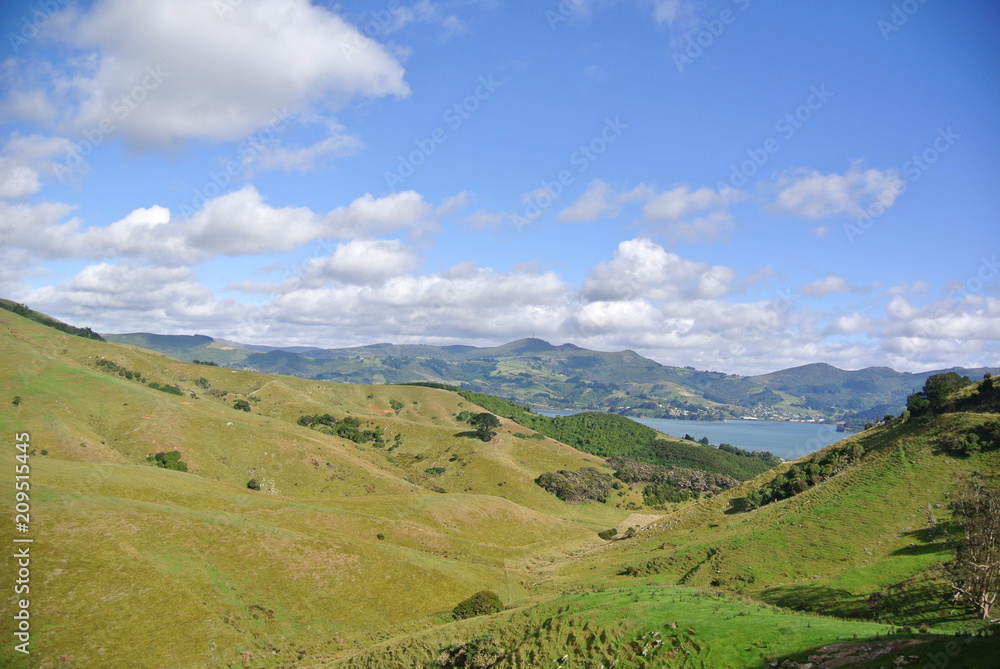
(353,553)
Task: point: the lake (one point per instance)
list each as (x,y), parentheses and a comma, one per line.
(786,440)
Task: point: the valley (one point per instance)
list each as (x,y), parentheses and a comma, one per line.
(187,515)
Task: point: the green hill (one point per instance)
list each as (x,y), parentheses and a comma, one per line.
(354,553)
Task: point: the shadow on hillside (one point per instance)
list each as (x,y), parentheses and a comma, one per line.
(468,433)
(816,599)
(931,542)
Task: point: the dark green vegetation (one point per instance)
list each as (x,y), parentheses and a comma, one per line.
(583,485)
(803,475)
(167,388)
(113,368)
(534,372)
(171,460)
(610,436)
(346,428)
(289,545)
(48,321)
(482,603)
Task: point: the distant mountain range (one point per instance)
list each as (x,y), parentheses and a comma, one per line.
(537,373)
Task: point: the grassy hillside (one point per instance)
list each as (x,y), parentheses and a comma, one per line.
(611,435)
(344,543)
(354,554)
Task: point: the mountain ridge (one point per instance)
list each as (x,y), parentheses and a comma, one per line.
(538,373)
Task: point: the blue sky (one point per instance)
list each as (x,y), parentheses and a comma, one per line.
(729,184)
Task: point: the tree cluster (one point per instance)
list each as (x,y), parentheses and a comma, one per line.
(346,428)
(584,485)
(801,477)
(23,310)
(934,396)
(169,460)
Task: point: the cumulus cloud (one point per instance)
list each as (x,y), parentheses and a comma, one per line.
(234,224)
(166,71)
(640,267)
(361,261)
(813,195)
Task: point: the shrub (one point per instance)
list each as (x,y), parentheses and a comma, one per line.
(171,460)
(482,603)
(380,536)
(253,484)
(435,471)
(586,484)
(241,405)
(608,534)
(173,390)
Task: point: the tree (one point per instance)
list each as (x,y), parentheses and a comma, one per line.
(934,396)
(938,387)
(241,405)
(975,569)
(485,424)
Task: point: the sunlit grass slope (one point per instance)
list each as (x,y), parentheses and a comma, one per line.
(345,543)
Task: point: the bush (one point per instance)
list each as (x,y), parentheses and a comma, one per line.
(586,484)
(435,471)
(173,390)
(171,460)
(253,484)
(482,603)
(241,405)
(608,534)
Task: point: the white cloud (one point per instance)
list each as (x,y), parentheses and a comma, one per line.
(23,161)
(38,229)
(166,71)
(813,195)
(237,223)
(826,286)
(852,324)
(361,262)
(596,202)
(693,215)
(601,201)
(641,267)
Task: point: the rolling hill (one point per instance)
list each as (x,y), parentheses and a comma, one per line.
(352,553)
